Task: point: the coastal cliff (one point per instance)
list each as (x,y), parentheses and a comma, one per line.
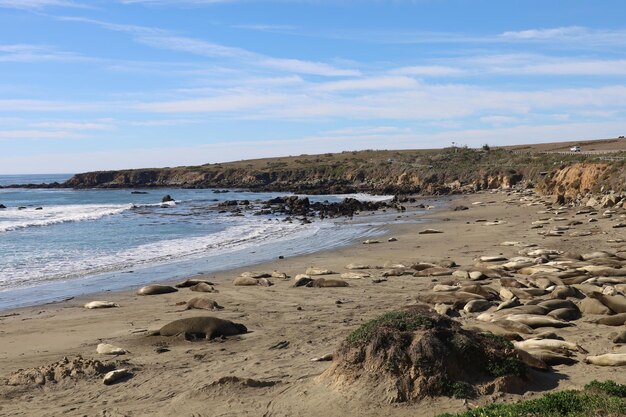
(445,171)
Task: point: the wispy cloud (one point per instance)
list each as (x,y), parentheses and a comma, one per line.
(38,4)
(39,134)
(37,53)
(429,71)
(543,34)
(162,39)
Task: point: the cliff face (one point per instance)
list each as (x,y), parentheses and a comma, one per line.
(451,170)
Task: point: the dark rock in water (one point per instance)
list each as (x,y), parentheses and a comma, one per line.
(21,208)
(220,191)
(139,192)
(460,208)
(167,198)
(39,208)
(228,203)
(2,206)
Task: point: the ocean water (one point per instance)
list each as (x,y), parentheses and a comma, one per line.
(58,243)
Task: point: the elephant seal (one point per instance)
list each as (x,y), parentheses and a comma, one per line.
(554,345)
(477,306)
(190,282)
(513,326)
(615,320)
(107,349)
(616,303)
(593,306)
(536,321)
(327,283)
(245,281)
(207,327)
(608,359)
(318,271)
(557,304)
(100,304)
(456,297)
(531,360)
(513,302)
(203,304)
(553,358)
(567,314)
(620,338)
(156,289)
(202,287)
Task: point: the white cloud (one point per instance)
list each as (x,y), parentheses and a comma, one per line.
(39,134)
(218,104)
(37,4)
(67,125)
(429,71)
(373,83)
(543,34)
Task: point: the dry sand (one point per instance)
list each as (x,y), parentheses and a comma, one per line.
(189,378)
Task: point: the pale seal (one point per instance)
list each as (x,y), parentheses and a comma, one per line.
(203,303)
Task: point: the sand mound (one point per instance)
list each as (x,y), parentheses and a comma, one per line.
(414,353)
(61,371)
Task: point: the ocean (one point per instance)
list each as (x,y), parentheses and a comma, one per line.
(60,243)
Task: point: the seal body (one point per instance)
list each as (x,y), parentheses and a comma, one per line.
(326,283)
(203,303)
(156,289)
(207,327)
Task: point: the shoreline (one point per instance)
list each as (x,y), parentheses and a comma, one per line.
(312,321)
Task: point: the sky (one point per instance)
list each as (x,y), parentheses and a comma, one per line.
(95,85)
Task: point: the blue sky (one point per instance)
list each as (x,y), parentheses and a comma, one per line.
(142,83)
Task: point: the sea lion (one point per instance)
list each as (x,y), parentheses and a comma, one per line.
(482,290)
(608,359)
(100,304)
(279,275)
(563,292)
(155,289)
(203,303)
(115,376)
(436,271)
(617,303)
(207,327)
(202,287)
(327,283)
(511,282)
(567,314)
(302,280)
(615,320)
(493,328)
(190,282)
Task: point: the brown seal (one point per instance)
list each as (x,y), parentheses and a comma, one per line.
(327,283)
(203,303)
(207,327)
(190,282)
(202,287)
(156,289)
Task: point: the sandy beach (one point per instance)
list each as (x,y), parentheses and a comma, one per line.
(268,371)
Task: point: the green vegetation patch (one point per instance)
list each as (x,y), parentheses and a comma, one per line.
(404,321)
(598,399)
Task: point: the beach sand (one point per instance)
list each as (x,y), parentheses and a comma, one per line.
(189,378)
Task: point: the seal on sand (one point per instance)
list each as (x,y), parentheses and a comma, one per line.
(203,303)
(327,283)
(202,287)
(207,327)
(100,304)
(245,281)
(616,303)
(156,289)
(608,359)
(615,320)
(190,282)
